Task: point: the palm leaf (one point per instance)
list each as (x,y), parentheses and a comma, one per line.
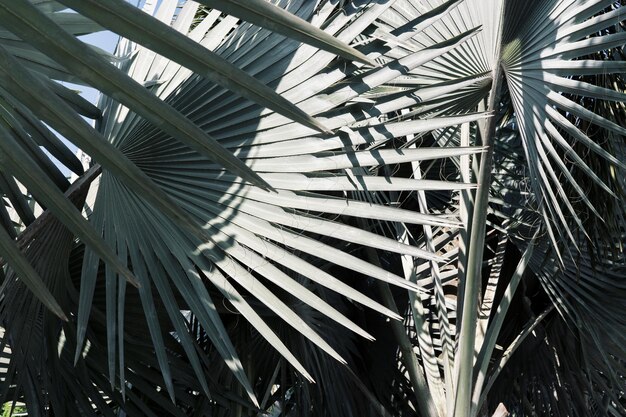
(247,176)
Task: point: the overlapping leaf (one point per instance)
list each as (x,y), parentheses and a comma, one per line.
(254,233)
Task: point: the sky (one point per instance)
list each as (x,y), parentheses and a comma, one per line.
(107,41)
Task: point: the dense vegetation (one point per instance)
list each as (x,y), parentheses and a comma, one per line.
(314,208)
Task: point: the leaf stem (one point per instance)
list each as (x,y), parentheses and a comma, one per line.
(78,187)
(469,315)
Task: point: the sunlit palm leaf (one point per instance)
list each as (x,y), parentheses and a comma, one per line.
(254,231)
(248,176)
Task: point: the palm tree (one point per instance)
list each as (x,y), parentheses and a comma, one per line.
(323,208)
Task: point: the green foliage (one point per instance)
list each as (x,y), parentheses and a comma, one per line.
(323,208)
(8,411)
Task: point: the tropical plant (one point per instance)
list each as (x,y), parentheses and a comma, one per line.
(323,208)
